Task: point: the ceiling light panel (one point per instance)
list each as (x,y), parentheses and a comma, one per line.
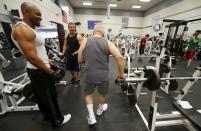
(113,5)
(136,6)
(87,3)
(145,0)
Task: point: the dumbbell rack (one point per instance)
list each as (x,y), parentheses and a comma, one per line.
(6,96)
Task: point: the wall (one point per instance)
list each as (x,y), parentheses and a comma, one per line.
(135,19)
(2,9)
(1,28)
(114,23)
(67,7)
(184,10)
(167,9)
(71,13)
(50,11)
(192,26)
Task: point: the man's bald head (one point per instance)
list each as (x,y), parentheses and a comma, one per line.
(31,13)
(99,29)
(26,6)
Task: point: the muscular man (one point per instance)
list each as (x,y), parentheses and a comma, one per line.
(31,44)
(70,48)
(94,52)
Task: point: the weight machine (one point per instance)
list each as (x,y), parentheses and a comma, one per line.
(134,85)
(177,28)
(11,93)
(155,118)
(175,118)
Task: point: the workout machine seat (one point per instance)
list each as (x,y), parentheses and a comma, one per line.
(191,114)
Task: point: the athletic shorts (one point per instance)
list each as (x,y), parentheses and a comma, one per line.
(101,87)
(190,55)
(72,65)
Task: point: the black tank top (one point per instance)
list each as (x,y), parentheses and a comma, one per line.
(72,46)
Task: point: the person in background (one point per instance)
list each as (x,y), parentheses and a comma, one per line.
(70,50)
(143,42)
(192,48)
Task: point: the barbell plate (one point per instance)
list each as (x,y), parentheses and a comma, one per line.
(154,82)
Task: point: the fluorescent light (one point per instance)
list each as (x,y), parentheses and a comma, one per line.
(145,0)
(87,3)
(136,6)
(113,5)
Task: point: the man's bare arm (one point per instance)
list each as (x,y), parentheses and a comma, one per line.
(118,57)
(64,47)
(80,51)
(79,38)
(25,38)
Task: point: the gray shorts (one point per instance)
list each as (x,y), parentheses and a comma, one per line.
(101,87)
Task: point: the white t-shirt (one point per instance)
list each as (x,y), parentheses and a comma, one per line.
(39,44)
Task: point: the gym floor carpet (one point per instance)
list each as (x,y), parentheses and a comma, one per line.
(119,116)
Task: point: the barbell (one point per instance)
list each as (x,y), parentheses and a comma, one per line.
(152,79)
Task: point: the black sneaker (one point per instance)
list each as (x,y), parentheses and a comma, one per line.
(72,80)
(76,83)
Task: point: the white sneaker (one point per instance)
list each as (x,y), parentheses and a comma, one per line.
(66,119)
(101,109)
(91,120)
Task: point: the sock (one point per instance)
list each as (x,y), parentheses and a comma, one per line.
(90,110)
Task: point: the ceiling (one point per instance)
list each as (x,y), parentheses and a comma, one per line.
(121,4)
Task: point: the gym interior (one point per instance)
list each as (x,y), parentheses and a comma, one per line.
(160,91)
